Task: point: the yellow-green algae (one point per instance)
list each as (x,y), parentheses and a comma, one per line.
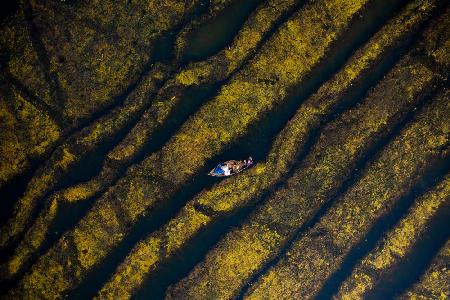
(32,240)
(434,283)
(26,132)
(221,65)
(23,62)
(316,254)
(98,48)
(340,146)
(200,138)
(288,206)
(398,242)
(222,197)
(258,23)
(107,127)
(71,152)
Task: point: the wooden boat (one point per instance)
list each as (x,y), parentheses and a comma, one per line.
(231,167)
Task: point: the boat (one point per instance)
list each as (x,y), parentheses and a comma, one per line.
(231,167)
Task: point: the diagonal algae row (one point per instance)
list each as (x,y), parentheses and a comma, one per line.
(172,94)
(397,243)
(299,44)
(318,252)
(222,199)
(434,283)
(342,144)
(436,45)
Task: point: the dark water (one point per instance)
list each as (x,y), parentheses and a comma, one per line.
(431,177)
(256,143)
(206,41)
(9,7)
(412,267)
(214,35)
(259,140)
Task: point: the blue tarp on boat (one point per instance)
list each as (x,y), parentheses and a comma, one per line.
(218,170)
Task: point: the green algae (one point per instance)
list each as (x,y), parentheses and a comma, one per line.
(154,117)
(71,152)
(434,283)
(244,93)
(151,184)
(134,193)
(313,257)
(225,62)
(27,131)
(96,55)
(396,244)
(222,198)
(23,62)
(107,127)
(328,164)
(26,134)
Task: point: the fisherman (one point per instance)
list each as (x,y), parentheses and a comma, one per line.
(226,169)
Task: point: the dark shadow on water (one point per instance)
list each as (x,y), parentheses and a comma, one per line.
(215,34)
(9,8)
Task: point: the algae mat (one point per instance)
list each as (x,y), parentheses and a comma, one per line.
(113,112)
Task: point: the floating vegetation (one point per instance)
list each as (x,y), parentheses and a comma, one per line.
(433,284)
(112,114)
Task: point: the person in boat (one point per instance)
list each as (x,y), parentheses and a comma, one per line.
(226,169)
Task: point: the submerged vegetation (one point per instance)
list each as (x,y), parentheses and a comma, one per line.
(112,113)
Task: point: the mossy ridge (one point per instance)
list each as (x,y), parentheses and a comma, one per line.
(76,147)
(95,135)
(23,63)
(434,283)
(396,244)
(132,199)
(21,60)
(181,228)
(170,96)
(26,133)
(319,252)
(134,270)
(133,143)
